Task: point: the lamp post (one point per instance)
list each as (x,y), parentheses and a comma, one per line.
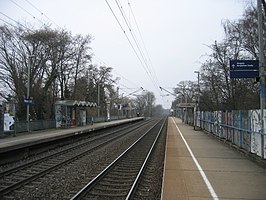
(262,73)
(98,101)
(198,99)
(28,94)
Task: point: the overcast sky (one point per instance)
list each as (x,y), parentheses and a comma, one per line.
(175,33)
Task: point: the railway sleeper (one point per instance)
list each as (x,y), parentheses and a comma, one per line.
(115,185)
(125,172)
(109,192)
(121,176)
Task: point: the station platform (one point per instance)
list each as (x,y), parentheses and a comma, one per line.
(200,167)
(36,137)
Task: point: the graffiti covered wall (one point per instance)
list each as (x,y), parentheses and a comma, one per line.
(241,127)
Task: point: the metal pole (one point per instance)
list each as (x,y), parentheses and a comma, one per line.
(122,105)
(98,101)
(3,117)
(262,72)
(198,89)
(197,101)
(28,96)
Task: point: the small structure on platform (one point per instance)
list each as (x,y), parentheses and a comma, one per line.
(71,112)
(186,112)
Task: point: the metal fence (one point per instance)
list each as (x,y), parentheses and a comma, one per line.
(22,126)
(240,127)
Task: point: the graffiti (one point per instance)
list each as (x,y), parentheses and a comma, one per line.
(58,115)
(241,127)
(255,143)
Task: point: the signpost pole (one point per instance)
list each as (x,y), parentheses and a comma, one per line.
(28,95)
(262,72)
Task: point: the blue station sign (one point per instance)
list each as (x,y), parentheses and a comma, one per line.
(244,69)
(28,101)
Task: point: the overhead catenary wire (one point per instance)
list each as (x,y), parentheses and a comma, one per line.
(12,20)
(145,65)
(101,62)
(42,13)
(141,38)
(151,68)
(142,61)
(22,8)
(6,22)
(136,48)
(149,74)
(132,46)
(35,7)
(143,43)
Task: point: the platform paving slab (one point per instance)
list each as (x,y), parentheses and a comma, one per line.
(232,175)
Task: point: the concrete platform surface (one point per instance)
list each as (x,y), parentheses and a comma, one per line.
(35,137)
(199,167)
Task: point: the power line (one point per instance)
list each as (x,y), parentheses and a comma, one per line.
(13,21)
(145,66)
(151,69)
(131,10)
(26,11)
(120,75)
(135,40)
(35,7)
(104,63)
(41,12)
(126,36)
(139,55)
(153,77)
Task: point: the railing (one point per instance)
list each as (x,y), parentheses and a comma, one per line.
(242,128)
(35,125)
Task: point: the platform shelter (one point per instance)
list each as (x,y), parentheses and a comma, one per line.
(72,112)
(186,112)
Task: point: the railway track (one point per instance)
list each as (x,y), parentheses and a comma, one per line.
(120,179)
(19,176)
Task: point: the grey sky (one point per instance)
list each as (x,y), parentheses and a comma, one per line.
(175,32)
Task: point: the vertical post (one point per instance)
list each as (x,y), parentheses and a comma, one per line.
(121,105)
(198,109)
(262,72)
(28,96)
(98,102)
(226,119)
(241,129)
(3,117)
(233,127)
(117,100)
(197,101)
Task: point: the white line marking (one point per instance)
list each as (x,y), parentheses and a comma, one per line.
(203,175)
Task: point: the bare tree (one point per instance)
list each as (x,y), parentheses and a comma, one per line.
(186,91)
(56,60)
(218,91)
(101,86)
(80,60)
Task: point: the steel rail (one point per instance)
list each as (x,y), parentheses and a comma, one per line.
(138,178)
(89,186)
(19,183)
(22,166)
